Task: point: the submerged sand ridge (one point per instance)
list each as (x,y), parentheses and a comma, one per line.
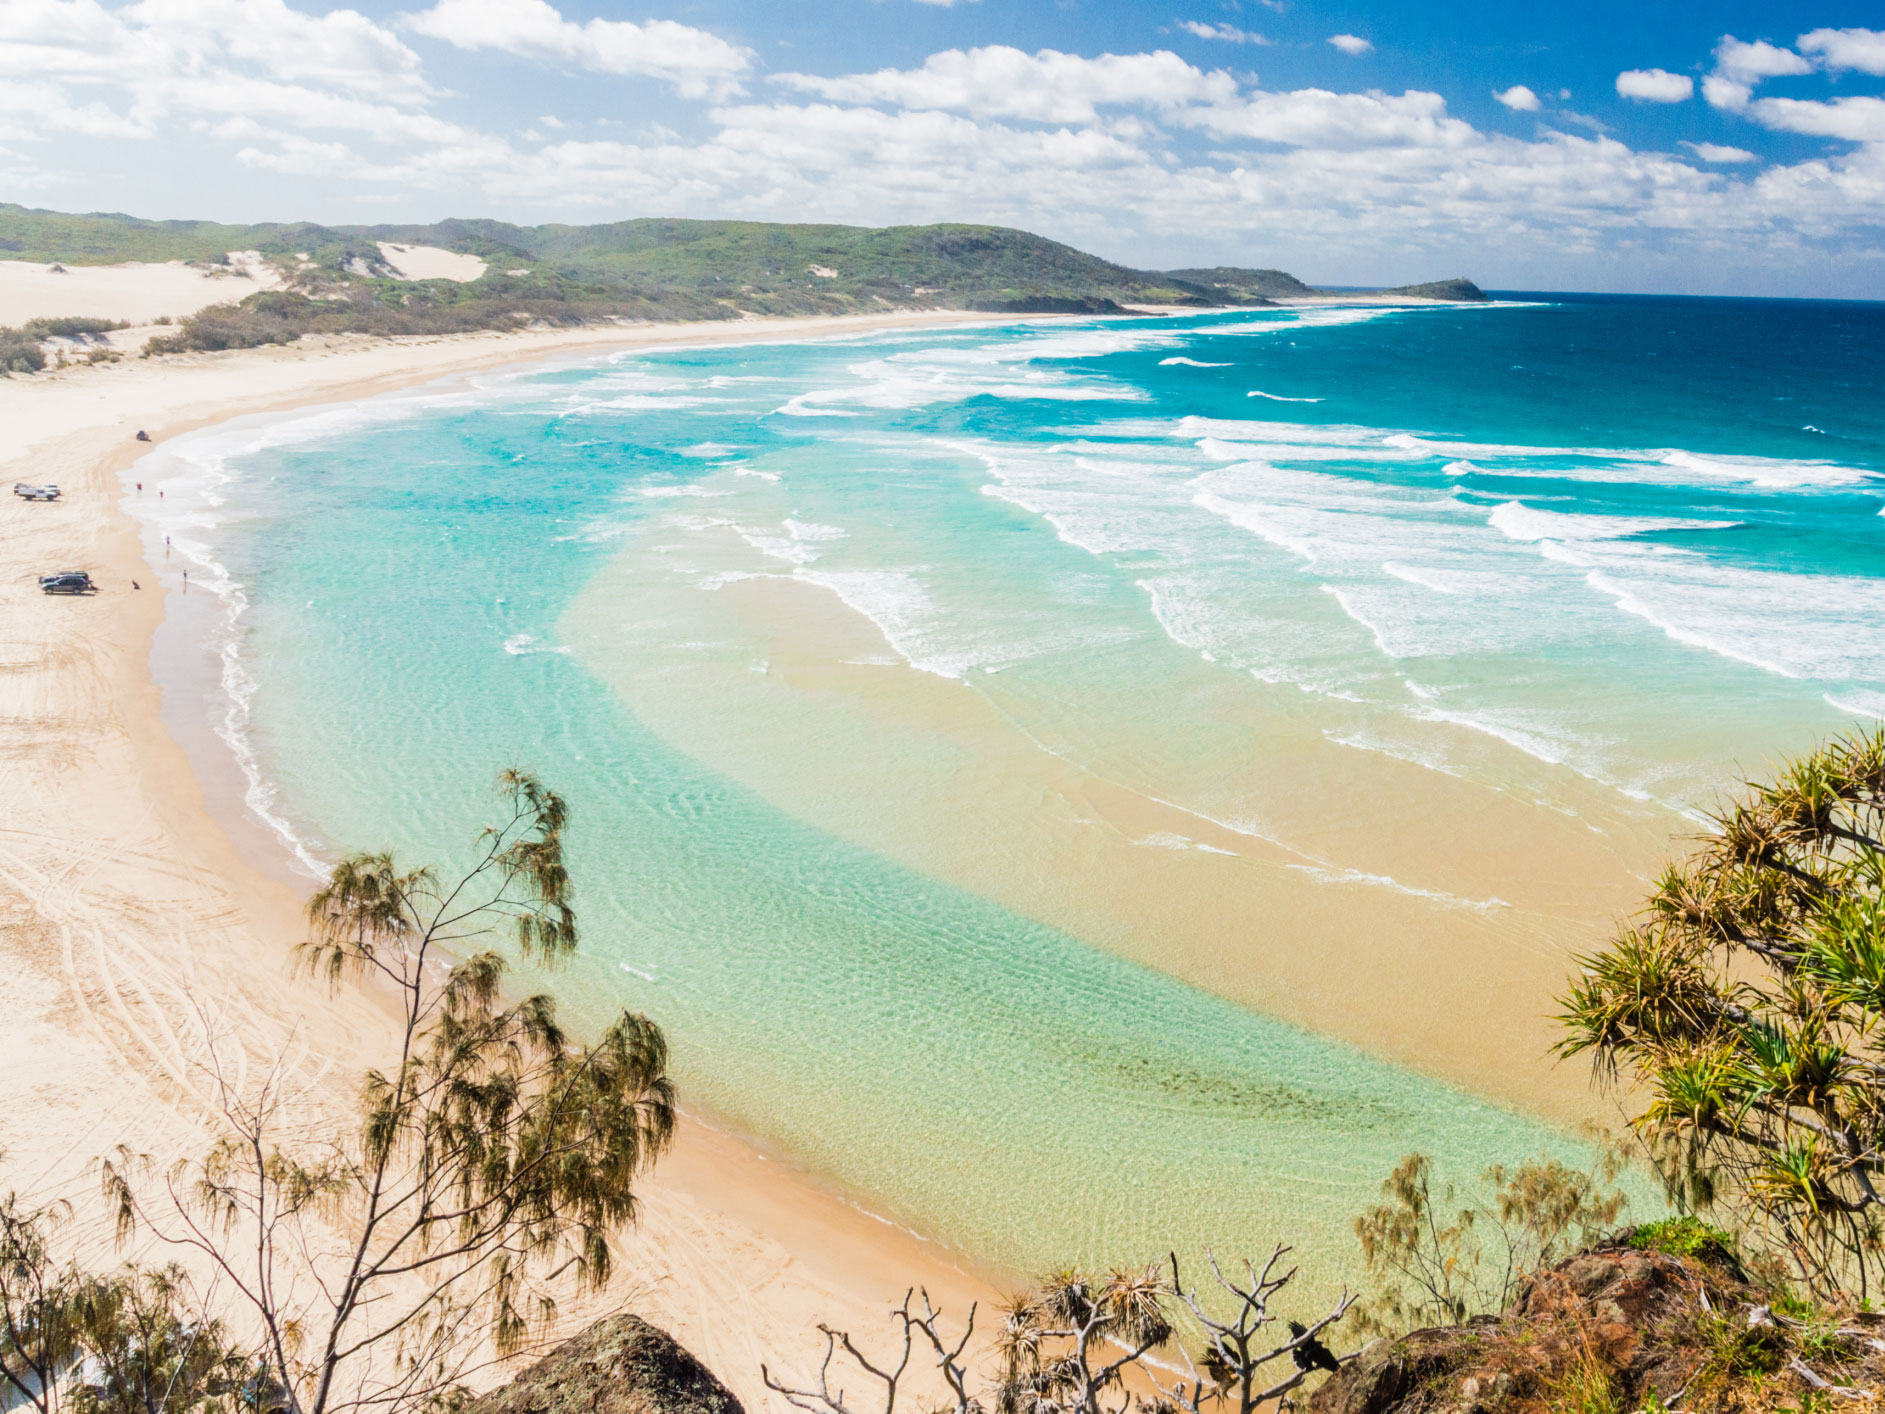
(139,948)
(1073,816)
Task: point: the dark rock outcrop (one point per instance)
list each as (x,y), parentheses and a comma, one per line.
(1637,1325)
(619,1365)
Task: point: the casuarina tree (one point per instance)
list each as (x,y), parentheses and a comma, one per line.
(490,1163)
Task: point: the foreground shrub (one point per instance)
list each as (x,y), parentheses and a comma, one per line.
(1748,1005)
(20,352)
(1439,1259)
(71,327)
(488,1170)
(1080,1343)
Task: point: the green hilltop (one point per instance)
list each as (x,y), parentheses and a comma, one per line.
(757,266)
(338,280)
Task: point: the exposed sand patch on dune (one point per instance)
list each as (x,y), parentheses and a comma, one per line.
(430,262)
(140,294)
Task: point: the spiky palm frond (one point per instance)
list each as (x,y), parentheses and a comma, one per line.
(1134,1305)
(1653,986)
(1750,1004)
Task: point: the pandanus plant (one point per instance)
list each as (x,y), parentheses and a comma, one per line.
(1748,1004)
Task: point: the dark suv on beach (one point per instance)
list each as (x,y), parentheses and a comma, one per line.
(67,582)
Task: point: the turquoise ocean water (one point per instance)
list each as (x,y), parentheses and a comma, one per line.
(1574,557)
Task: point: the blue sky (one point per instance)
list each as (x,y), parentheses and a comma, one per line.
(1726,148)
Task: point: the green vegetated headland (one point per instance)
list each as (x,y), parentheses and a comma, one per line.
(339,281)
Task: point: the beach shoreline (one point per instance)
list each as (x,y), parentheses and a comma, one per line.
(143,938)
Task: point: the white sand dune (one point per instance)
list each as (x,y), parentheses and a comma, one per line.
(139,294)
(430,262)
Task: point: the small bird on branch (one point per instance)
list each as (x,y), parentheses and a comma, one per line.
(1312,1354)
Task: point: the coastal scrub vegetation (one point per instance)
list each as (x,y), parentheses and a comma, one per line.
(1439,1259)
(140,1337)
(388,308)
(22,350)
(1085,1344)
(377,1264)
(1748,1004)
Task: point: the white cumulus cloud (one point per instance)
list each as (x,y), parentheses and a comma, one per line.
(1519,99)
(1655,85)
(1716,153)
(1757,61)
(1350,43)
(1839,49)
(1230,33)
(699,64)
(1318,118)
(1851,119)
(1724,92)
(1046,87)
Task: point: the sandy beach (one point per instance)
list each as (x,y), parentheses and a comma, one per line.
(137,943)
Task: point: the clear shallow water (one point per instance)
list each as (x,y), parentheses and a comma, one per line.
(1588,551)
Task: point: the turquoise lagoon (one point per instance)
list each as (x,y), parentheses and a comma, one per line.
(1568,561)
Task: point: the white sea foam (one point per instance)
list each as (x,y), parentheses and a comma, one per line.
(895,384)
(801,530)
(1766,471)
(896,602)
(194,473)
(1296,319)
(1293,451)
(520,645)
(1526,737)
(1859,702)
(632,402)
(1649,466)
(1435,580)
(1324,874)
(1361,741)
(800,405)
(1058,345)
(1825,627)
(786,547)
(1165,839)
(1517,521)
(1278,397)
(1189,363)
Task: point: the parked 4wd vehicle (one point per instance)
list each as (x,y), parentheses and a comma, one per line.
(67,582)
